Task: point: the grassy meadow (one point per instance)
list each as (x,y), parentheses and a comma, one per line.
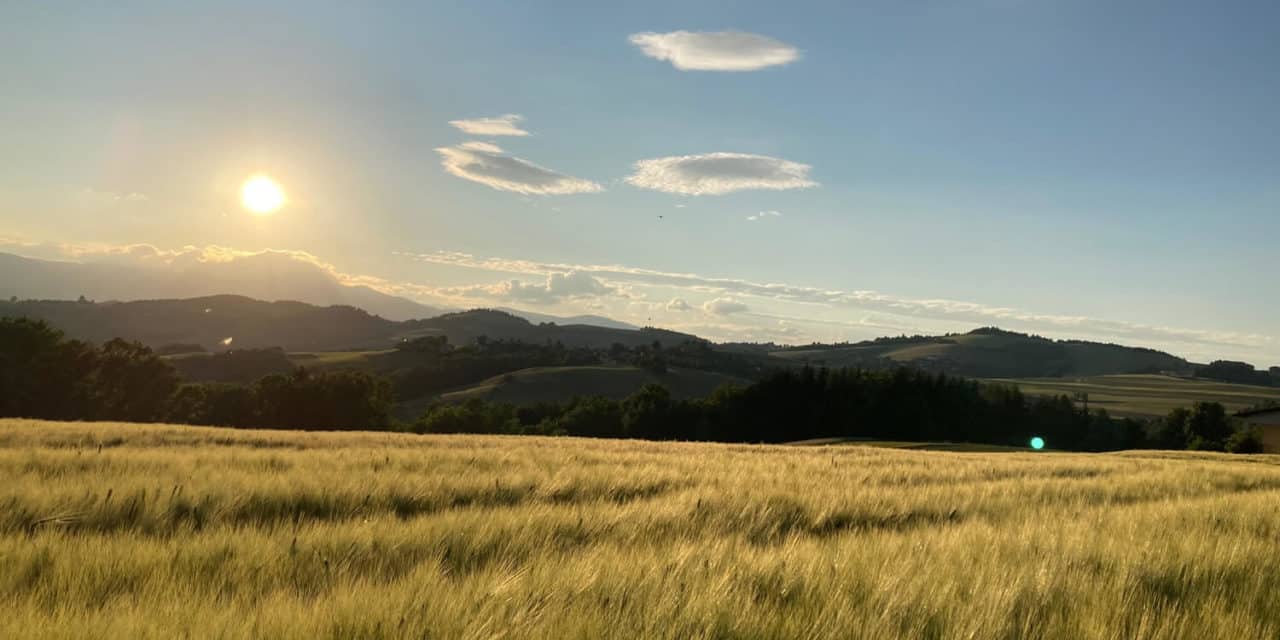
(135,531)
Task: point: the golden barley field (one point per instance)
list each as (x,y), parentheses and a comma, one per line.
(152,531)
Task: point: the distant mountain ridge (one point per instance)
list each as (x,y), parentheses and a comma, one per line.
(269,276)
(228,321)
(263,276)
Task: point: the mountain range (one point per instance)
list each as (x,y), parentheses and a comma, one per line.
(269,276)
(231,322)
(276,299)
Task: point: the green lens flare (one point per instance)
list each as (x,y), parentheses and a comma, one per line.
(1037,443)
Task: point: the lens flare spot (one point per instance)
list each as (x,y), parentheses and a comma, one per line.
(1037,443)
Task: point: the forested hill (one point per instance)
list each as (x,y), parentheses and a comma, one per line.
(227,321)
(295,326)
(990,353)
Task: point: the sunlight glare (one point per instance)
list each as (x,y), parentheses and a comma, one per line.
(261,195)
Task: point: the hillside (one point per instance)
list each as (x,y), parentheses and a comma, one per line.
(1148,395)
(990,353)
(556,384)
(211,321)
(299,327)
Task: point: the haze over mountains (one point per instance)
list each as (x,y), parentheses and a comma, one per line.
(227,321)
(268,276)
(277,299)
(264,276)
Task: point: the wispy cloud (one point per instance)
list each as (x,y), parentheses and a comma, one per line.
(764,214)
(556,288)
(953,311)
(715,50)
(476,145)
(504,125)
(719,173)
(487,164)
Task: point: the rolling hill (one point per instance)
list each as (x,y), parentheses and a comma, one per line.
(295,326)
(466,326)
(348,337)
(212,321)
(990,353)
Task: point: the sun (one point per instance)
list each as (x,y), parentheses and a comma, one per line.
(261,195)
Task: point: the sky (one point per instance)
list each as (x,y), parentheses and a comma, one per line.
(787,172)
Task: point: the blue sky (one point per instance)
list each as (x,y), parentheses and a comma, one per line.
(1081,169)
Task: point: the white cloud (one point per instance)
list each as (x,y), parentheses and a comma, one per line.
(575,283)
(719,173)
(505,125)
(715,50)
(557,287)
(486,164)
(678,305)
(764,214)
(724,307)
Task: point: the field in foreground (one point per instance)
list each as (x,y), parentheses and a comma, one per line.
(1148,395)
(116,530)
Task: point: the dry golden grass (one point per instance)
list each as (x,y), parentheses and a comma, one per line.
(117,530)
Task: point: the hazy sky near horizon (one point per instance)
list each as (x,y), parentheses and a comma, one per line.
(746,171)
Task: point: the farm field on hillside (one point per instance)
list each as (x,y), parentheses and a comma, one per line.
(125,531)
(1148,395)
(557,384)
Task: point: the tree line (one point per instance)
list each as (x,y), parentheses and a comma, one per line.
(1239,373)
(430,365)
(806,404)
(44,375)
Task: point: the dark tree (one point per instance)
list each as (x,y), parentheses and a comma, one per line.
(131,383)
(647,414)
(42,375)
(1208,427)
